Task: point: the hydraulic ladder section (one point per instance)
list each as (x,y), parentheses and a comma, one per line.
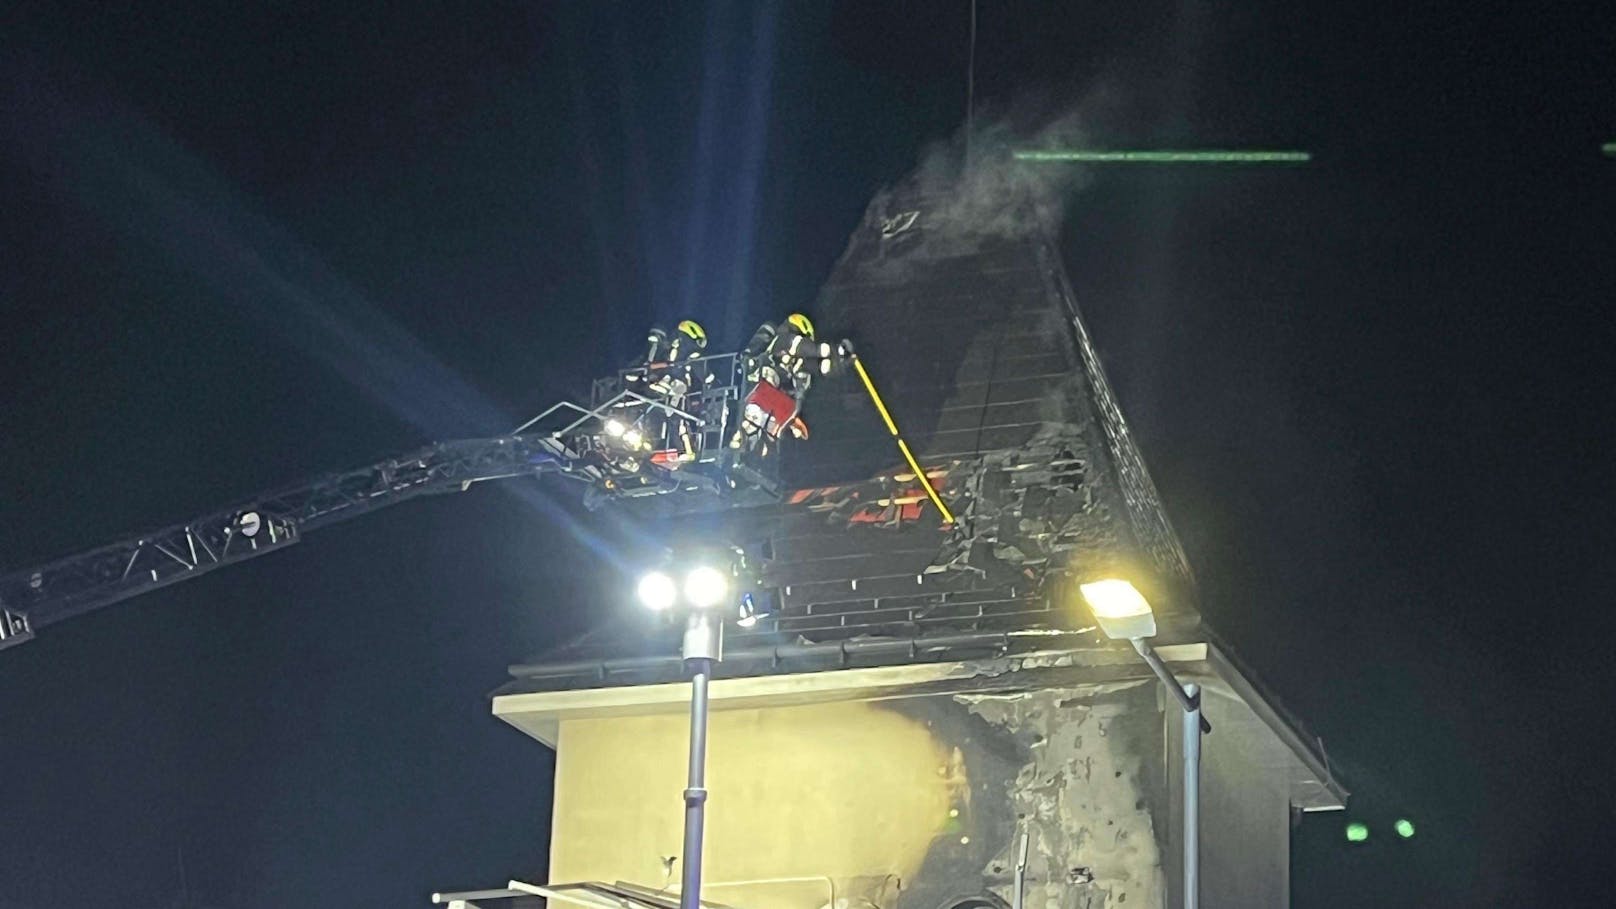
(634,438)
(565,440)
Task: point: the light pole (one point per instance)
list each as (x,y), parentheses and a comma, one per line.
(705,590)
(1124,613)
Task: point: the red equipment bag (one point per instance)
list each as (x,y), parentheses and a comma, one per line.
(769,408)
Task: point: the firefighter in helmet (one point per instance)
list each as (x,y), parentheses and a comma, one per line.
(666,373)
(688,341)
(678,382)
(662,349)
(782,348)
(778,363)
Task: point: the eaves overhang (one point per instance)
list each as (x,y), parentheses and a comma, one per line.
(1238,705)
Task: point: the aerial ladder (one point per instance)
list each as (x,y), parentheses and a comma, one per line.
(627,441)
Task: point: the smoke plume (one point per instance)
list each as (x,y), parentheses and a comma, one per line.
(970,186)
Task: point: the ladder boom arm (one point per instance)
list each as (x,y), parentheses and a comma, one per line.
(33,598)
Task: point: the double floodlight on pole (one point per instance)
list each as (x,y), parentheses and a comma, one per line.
(704,587)
(701,591)
(1124,613)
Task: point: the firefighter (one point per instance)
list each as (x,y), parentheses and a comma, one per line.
(678,383)
(783,354)
(793,348)
(777,362)
(784,347)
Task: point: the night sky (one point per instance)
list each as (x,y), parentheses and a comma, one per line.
(241,245)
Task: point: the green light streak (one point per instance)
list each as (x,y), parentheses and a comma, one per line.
(1404,827)
(1196,156)
(1357,833)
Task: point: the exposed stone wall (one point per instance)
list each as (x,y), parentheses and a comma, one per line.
(904,803)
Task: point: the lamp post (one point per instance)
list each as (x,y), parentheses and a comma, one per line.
(705,589)
(1124,613)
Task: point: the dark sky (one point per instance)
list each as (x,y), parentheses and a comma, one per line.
(240,245)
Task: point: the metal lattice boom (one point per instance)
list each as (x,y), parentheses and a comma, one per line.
(551,443)
(34,598)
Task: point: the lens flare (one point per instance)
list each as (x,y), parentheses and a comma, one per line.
(657,591)
(705,587)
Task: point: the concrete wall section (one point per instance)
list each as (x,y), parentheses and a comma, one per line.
(847,791)
(1088,794)
(904,803)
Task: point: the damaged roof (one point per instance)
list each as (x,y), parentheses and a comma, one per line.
(969,327)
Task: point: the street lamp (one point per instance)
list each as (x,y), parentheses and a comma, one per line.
(1124,613)
(699,594)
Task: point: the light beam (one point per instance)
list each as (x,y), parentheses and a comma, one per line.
(1163,156)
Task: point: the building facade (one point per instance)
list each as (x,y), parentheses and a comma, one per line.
(929,719)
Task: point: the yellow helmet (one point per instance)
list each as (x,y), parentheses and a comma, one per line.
(800,322)
(695,332)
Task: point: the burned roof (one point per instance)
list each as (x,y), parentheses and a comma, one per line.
(974,337)
(969,327)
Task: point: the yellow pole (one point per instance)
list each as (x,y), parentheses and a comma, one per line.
(903,447)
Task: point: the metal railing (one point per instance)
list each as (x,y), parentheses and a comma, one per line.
(701,395)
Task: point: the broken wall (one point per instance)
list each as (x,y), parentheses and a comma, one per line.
(904,803)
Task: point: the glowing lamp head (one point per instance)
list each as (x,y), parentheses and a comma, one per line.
(634,439)
(615,428)
(705,587)
(657,591)
(1119,607)
(1357,833)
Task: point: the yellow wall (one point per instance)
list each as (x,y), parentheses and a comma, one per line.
(844,789)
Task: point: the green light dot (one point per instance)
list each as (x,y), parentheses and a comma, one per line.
(1609,148)
(1405,828)
(1357,833)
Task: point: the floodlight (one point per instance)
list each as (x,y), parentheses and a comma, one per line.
(657,591)
(1122,611)
(705,587)
(615,428)
(248,523)
(1357,833)
(1404,828)
(633,438)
